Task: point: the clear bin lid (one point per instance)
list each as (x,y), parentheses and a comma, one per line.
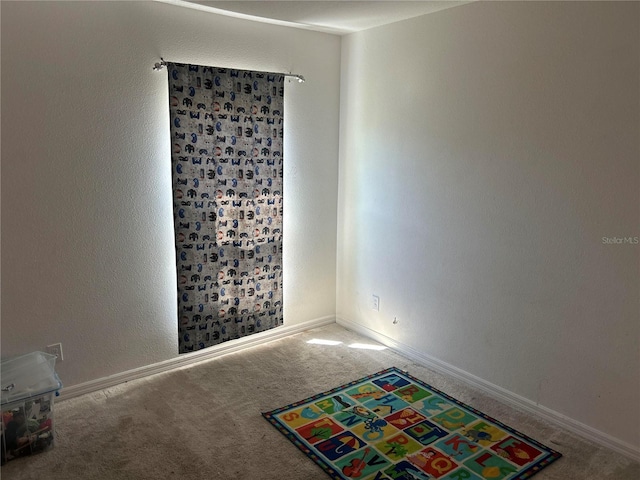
(28,376)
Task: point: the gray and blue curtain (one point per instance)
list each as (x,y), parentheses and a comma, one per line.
(227,153)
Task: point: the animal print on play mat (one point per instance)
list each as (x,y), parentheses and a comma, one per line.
(392,426)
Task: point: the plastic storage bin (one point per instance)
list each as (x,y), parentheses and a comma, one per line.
(29,385)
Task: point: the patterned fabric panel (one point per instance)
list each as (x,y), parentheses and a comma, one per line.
(227,145)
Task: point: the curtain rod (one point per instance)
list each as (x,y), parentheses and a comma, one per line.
(161,64)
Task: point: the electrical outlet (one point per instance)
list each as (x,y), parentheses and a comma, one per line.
(55,349)
(375,302)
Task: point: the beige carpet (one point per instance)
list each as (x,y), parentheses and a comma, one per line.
(204,422)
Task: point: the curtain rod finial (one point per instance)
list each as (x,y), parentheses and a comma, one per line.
(160,65)
(297,76)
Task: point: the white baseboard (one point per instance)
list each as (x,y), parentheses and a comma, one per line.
(497,392)
(193,358)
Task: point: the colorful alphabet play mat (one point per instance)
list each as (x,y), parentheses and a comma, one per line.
(392,426)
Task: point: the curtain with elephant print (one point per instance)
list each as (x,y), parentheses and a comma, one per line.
(227,145)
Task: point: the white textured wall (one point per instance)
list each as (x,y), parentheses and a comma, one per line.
(87,240)
(485,151)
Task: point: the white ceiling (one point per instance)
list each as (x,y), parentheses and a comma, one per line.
(331,16)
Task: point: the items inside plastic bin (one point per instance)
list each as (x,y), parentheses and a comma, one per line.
(27,429)
(29,385)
